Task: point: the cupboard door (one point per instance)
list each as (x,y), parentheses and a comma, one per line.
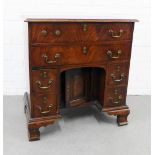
(77,87)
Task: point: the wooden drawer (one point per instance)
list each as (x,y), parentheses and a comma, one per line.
(114,31)
(79,32)
(115,96)
(44,104)
(76,54)
(118,73)
(44,80)
(61,32)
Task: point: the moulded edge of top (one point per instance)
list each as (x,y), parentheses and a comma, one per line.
(80,20)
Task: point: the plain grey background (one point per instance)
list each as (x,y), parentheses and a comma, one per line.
(82,131)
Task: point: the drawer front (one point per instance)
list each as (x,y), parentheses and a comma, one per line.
(115,96)
(44,80)
(44,104)
(79,32)
(62,32)
(62,55)
(114,31)
(118,73)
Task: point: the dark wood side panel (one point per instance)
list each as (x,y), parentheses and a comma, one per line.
(98,84)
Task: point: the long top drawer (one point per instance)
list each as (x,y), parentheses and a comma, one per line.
(79,32)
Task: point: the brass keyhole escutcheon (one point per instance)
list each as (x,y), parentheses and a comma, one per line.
(84,50)
(44,99)
(115,91)
(118,68)
(85,26)
(44,74)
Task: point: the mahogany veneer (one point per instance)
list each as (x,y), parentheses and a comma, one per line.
(75,63)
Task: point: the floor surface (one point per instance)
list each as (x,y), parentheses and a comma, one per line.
(81,131)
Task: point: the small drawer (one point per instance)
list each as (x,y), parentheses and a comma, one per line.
(118,73)
(114,31)
(117,52)
(115,96)
(75,54)
(44,105)
(44,80)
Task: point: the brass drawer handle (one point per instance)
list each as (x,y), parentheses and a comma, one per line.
(117,80)
(110,54)
(46,111)
(84,50)
(44,32)
(116,34)
(44,87)
(117,99)
(56,57)
(57,32)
